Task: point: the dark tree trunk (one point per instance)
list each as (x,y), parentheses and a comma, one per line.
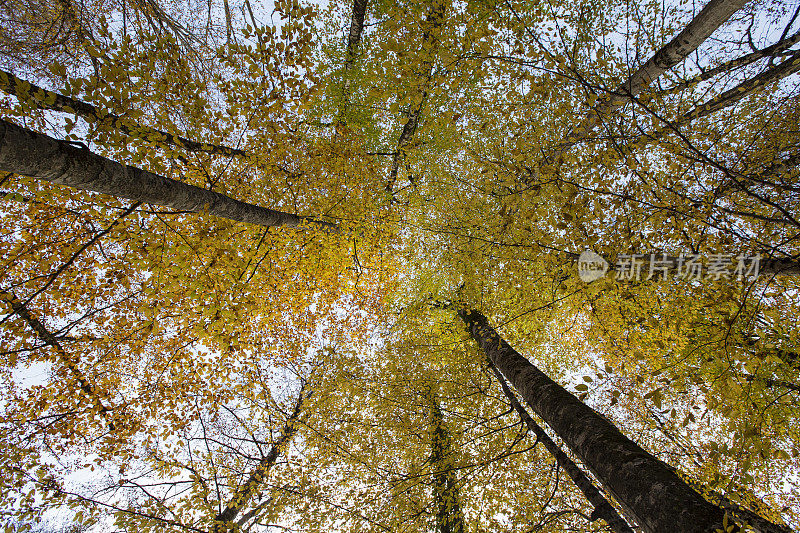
(430,45)
(449,517)
(353,40)
(650,493)
(602,508)
(224,521)
(36,155)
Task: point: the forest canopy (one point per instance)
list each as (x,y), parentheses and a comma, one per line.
(370,266)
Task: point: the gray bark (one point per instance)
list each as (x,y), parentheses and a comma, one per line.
(429,45)
(25,90)
(711,17)
(449,517)
(36,155)
(602,507)
(225,520)
(650,492)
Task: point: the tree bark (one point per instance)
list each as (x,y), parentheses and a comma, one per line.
(429,46)
(359,13)
(650,493)
(602,507)
(24,90)
(36,155)
(225,520)
(50,340)
(711,17)
(449,517)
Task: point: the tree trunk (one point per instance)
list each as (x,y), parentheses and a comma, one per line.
(36,155)
(712,16)
(650,493)
(353,40)
(602,508)
(449,517)
(429,46)
(44,99)
(225,520)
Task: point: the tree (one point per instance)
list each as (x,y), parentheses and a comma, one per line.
(602,508)
(36,155)
(153,354)
(656,498)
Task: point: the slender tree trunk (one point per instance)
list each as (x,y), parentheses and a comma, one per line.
(711,17)
(228,22)
(602,508)
(770,51)
(449,517)
(51,340)
(353,40)
(44,99)
(650,492)
(226,520)
(430,43)
(36,155)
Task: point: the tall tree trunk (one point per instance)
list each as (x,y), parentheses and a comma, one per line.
(771,51)
(602,508)
(36,155)
(357,17)
(226,520)
(86,386)
(430,44)
(44,99)
(649,491)
(449,517)
(711,17)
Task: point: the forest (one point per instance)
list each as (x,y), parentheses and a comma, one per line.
(457,266)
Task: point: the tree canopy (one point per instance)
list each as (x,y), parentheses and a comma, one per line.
(318,266)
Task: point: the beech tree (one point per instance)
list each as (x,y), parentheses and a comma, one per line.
(241,243)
